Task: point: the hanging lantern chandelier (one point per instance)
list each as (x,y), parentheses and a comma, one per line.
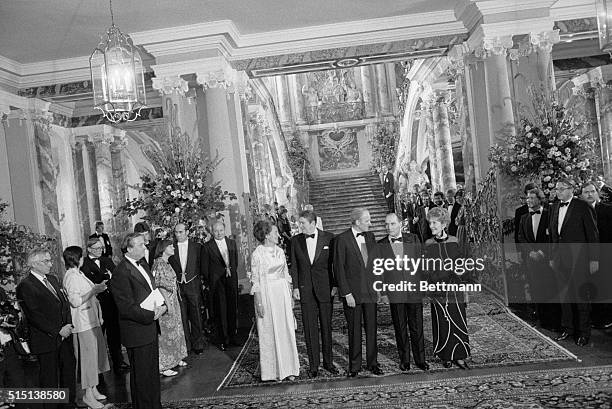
(604,25)
(117,76)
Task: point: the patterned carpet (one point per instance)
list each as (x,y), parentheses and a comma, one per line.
(497,338)
(567,388)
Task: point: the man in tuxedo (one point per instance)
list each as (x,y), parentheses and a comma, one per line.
(48,313)
(313,281)
(438,200)
(419,221)
(522,210)
(143,229)
(99,233)
(187,265)
(131,284)
(220,262)
(408,208)
(533,244)
(389,188)
(319,221)
(352,268)
(406,306)
(453,210)
(99,268)
(574,238)
(602,310)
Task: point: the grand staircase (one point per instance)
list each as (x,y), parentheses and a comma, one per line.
(334,199)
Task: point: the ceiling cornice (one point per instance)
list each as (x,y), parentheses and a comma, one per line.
(573,9)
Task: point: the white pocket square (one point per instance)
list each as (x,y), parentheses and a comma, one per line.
(326,248)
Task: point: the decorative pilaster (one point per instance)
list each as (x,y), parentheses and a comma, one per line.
(284,104)
(295,88)
(81,186)
(102,141)
(120,195)
(427,106)
(366,83)
(382,89)
(443,146)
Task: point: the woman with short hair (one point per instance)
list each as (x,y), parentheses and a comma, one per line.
(448,309)
(86,313)
(271,286)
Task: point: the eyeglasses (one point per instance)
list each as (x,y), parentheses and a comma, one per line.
(97,248)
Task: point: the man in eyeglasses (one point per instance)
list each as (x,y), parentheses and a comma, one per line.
(98,268)
(48,313)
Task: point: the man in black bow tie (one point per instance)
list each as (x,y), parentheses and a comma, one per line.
(99,234)
(99,268)
(314,286)
(353,270)
(406,306)
(533,244)
(575,255)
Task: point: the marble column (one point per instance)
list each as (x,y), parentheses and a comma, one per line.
(296,82)
(120,195)
(48,170)
(180,109)
(444,148)
(284,103)
(382,89)
(366,83)
(427,107)
(91,181)
(499,97)
(104,171)
(603,100)
(81,187)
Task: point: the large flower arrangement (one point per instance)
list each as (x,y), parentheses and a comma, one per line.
(15,243)
(182,190)
(384,146)
(549,144)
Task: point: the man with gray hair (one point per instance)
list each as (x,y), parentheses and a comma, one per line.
(48,313)
(352,266)
(220,262)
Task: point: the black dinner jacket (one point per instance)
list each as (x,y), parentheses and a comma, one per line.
(352,275)
(603,213)
(518,215)
(579,226)
(388,183)
(98,274)
(213,264)
(421,227)
(108,248)
(527,242)
(46,315)
(129,289)
(408,211)
(194,264)
(412,248)
(316,279)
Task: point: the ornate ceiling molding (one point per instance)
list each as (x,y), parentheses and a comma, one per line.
(170,85)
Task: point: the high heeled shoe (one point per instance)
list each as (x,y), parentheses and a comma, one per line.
(168,373)
(97,395)
(461,364)
(91,402)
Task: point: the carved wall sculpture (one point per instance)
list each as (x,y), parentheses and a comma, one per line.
(332,96)
(338,149)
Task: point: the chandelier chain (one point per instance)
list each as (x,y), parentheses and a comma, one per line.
(111,12)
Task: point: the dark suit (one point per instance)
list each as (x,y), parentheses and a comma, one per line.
(108,248)
(223,289)
(315,281)
(408,213)
(354,276)
(406,306)
(421,227)
(518,215)
(139,333)
(389,187)
(572,250)
(46,315)
(107,303)
(602,309)
(190,293)
(540,277)
(452,226)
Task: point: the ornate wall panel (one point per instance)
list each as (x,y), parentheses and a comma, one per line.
(338,149)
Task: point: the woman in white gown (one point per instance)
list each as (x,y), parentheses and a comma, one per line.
(271,286)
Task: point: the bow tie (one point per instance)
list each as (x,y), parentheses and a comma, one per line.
(94,259)
(361,234)
(563,204)
(309,236)
(142,262)
(535,212)
(393,240)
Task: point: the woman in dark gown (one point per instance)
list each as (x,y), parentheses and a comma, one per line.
(448,312)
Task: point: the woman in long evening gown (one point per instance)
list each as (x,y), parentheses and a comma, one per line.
(271,286)
(172,347)
(448,308)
